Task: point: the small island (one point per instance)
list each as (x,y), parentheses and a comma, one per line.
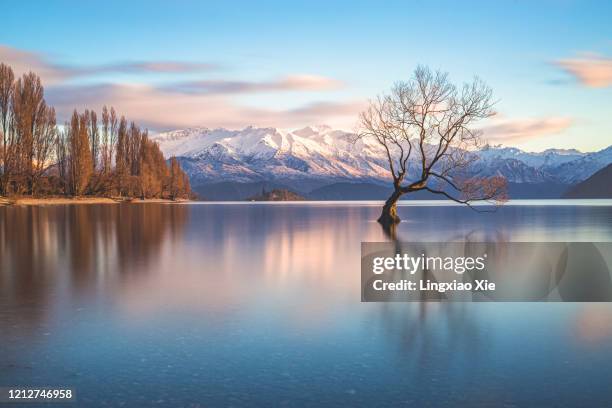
(277,194)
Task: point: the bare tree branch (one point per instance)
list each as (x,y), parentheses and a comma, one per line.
(435,117)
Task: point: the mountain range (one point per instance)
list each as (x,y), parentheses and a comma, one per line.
(324,163)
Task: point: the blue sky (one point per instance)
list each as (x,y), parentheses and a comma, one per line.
(290,64)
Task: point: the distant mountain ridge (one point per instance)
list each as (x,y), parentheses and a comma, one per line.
(563,166)
(317,156)
(599,185)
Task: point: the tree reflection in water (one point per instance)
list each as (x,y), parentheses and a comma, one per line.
(429,326)
(43,248)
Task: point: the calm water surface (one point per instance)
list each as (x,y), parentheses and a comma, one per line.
(258,304)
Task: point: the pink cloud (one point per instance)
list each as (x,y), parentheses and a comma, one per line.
(180,103)
(289,83)
(162,110)
(593,71)
(24,61)
(309,82)
(53,73)
(519,130)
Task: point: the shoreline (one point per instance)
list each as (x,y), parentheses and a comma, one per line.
(29,201)
(45,201)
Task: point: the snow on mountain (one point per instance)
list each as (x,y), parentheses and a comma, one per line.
(514,170)
(324,154)
(547,158)
(584,167)
(269,153)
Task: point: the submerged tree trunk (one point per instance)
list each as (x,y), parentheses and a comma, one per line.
(389,211)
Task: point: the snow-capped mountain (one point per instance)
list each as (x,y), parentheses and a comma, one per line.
(326,155)
(254,154)
(547,158)
(582,168)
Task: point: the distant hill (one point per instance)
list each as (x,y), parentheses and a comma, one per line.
(277,195)
(364,191)
(599,185)
(235,191)
(536,190)
(371,191)
(350,191)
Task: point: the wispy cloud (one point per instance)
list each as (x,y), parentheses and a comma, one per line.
(289,83)
(180,101)
(592,70)
(157,66)
(161,110)
(52,73)
(520,130)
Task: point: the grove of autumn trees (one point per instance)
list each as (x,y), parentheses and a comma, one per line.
(89,155)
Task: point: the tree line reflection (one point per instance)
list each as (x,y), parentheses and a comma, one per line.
(45,249)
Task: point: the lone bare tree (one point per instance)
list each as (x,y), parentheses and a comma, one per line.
(425,126)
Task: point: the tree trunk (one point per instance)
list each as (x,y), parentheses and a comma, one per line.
(389,211)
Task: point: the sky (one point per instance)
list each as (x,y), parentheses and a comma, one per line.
(170,65)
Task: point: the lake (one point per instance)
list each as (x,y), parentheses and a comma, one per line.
(220,304)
